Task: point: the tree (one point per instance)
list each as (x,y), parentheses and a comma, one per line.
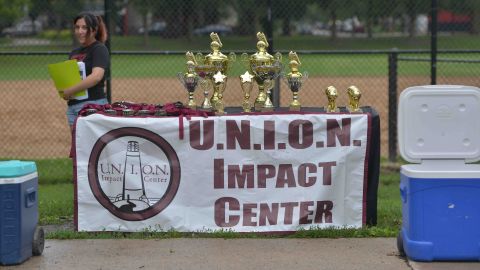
(336,8)
(35,8)
(287,10)
(144,7)
(11,10)
(410,10)
(249,13)
(375,10)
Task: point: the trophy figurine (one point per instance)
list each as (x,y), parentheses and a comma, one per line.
(206,105)
(294,79)
(332,95)
(265,68)
(354,96)
(213,64)
(247,85)
(190,79)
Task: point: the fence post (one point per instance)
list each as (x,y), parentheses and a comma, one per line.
(108,79)
(275,93)
(433,44)
(392,105)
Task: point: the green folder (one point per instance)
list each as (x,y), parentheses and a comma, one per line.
(66,74)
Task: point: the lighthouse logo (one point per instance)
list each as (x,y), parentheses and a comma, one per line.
(134,173)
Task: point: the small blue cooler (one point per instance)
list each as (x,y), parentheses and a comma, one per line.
(438,128)
(20,238)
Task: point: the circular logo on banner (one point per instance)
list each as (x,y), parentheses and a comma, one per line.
(134,173)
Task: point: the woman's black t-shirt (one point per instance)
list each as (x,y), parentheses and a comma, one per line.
(95,55)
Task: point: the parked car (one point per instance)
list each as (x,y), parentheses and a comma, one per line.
(24,28)
(156,28)
(220,29)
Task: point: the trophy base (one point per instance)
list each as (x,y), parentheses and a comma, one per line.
(354,111)
(295,108)
(337,110)
(259,106)
(246,110)
(205,109)
(267,109)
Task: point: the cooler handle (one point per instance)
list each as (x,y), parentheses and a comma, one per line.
(30,197)
(403,193)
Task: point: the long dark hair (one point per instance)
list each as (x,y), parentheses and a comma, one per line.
(93,23)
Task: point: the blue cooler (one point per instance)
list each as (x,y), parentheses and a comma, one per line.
(20,238)
(439,129)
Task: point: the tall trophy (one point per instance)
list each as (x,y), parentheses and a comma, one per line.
(265,69)
(354,96)
(214,68)
(332,95)
(190,79)
(294,79)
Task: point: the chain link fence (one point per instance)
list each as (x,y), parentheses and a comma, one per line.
(339,43)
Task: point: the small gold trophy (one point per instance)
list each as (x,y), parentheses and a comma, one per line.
(354,96)
(332,95)
(206,105)
(294,79)
(265,68)
(215,67)
(247,85)
(190,79)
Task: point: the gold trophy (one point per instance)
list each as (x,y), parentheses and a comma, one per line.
(206,105)
(294,79)
(247,85)
(190,79)
(214,69)
(332,95)
(265,68)
(354,96)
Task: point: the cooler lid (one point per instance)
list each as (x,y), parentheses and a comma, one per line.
(14,168)
(439,122)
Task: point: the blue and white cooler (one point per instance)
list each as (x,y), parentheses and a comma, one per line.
(20,237)
(439,130)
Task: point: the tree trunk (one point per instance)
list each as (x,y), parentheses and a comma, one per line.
(333,29)
(145,30)
(286,27)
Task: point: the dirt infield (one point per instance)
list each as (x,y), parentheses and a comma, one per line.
(33,122)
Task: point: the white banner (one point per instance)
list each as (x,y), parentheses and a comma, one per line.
(245,173)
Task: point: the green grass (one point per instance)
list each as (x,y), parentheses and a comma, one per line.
(54,171)
(14,68)
(56,207)
(55,203)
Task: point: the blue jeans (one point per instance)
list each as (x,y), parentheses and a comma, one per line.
(73,110)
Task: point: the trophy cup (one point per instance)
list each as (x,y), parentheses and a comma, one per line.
(247,85)
(294,79)
(190,79)
(265,68)
(354,96)
(332,95)
(214,69)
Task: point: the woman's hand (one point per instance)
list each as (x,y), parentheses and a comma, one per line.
(67,94)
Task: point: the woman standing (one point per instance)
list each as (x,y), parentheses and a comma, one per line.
(91,33)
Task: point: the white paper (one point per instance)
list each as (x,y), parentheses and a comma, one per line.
(83,75)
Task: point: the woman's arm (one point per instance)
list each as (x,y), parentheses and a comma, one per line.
(91,80)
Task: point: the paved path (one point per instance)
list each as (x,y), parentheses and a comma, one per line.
(231,254)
